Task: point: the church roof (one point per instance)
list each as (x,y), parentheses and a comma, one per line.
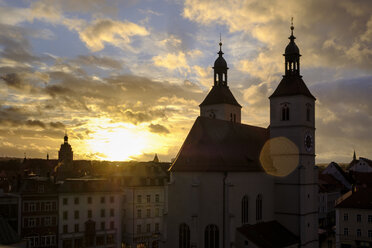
(269,235)
(292,85)
(218,145)
(220,94)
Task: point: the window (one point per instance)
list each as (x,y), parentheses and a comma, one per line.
(102,199)
(31,207)
(184,236)
(259,207)
(245,210)
(76,200)
(211,237)
(47,221)
(148,228)
(89,213)
(148,213)
(156,212)
(369,233)
(40,189)
(102,225)
(138,213)
(89,200)
(157,198)
(369,218)
(76,214)
(110,239)
(148,198)
(65,228)
(47,206)
(103,213)
(112,199)
(139,198)
(65,215)
(76,228)
(359,232)
(346,232)
(112,225)
(308,111)
(285,112)
(346,217)
(359,218)
(156,227)
(138,229)
(112,212)
(100,240)
(65,201)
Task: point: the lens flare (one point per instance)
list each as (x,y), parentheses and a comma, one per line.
(279,156)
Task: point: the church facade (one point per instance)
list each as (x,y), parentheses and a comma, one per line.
(225,191)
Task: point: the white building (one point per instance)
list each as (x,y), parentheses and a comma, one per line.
(354,219)
(143,205)
(89,213)
(230,175)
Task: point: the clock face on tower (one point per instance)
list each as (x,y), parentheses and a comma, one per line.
(308,142)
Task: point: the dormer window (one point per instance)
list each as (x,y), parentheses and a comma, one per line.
(285,112)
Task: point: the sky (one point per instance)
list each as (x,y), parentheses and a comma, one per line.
(124,78)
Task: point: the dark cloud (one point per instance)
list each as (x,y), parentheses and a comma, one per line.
(94,61)
(157,128)
(12,80)
(34,123)
(57,125)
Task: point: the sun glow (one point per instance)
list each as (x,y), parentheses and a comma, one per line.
(118,142)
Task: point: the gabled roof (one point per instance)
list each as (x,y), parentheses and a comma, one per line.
(219,95)
(360,199)
(218,145)
(269,235)
(292,85)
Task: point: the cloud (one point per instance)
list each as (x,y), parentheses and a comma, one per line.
(117,33)
(100,61)
(159,129)
(171,61)
(13,80)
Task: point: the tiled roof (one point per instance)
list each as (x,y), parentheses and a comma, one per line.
(218,145)
(360,199)
(292,85)
(269,235)
(219,95)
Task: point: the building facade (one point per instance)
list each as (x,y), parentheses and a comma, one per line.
(228,175)
(89,213)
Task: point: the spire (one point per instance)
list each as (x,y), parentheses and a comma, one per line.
(354,156)
(220,68)
(156,159)
(292,55)
(66,137)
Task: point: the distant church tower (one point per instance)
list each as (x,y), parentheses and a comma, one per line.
(220,102)
(292,115)
(65,154)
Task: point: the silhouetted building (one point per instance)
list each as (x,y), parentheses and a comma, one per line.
(65,166)
(39,211)
(222,180)
(89,213)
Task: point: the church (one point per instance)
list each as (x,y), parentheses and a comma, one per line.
(238,185)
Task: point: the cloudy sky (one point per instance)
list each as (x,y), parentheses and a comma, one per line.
(125,78)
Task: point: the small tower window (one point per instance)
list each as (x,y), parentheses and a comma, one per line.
(285,112)
(211,237)
(308,112)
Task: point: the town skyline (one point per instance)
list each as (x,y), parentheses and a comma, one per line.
(124,80)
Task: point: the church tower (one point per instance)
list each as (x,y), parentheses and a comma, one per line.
(220,102)
(292,116)
(65,154)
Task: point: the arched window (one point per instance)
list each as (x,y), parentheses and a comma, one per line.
(285,112)
(211,237)
(259,207)
(308,112)
(245,210)
(184,236)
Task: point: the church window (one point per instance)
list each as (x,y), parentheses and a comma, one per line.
(245,210)
(259,208)
(184,236)
(285,112)
(231,117)
(234,117)
(308,112)
(211,237)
